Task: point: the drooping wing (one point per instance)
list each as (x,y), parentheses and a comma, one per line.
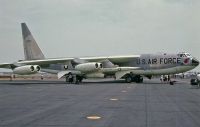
(35,62)
(6,65)
(113,59)
(116,65)
(112,63)
(46,61)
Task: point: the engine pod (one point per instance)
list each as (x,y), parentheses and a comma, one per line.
(89,67)
(26,70)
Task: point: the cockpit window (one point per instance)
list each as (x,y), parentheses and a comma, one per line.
(187,54)
(184,55)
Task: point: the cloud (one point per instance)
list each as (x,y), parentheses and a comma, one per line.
(101,27)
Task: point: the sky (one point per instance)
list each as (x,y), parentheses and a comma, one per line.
(73,28)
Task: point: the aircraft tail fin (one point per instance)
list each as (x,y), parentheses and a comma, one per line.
(31,49)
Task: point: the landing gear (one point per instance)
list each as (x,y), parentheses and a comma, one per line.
(171,82)
(133,78)
(128,79)
(73,79)
(138,79)
(79,78)
(195,82)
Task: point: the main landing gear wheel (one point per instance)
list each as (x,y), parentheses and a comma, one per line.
(128,79)
(73,79)
(131,78)
(138,79)
(79,78)
(69,78)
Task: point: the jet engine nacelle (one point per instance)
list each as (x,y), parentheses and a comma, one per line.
(27,69)
(88,67)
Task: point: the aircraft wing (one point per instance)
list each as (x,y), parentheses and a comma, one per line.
(113,59)
(35,62)
(111,63)
(6,65)
(46,61)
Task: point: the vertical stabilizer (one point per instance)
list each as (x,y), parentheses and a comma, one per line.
(31,49)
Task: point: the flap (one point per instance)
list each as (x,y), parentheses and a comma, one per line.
(63,73)
(107,64)
(120,74)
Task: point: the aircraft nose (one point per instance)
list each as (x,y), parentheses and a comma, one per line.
(195,62)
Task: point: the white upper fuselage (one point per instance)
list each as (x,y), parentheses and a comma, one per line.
(144,64)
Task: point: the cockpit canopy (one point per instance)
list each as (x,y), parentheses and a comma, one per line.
(183,54)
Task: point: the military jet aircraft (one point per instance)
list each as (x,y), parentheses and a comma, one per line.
(132,68)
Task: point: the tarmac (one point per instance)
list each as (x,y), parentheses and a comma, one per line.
(97,103)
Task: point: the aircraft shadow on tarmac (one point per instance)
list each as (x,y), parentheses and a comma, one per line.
(87,82)
(28,82)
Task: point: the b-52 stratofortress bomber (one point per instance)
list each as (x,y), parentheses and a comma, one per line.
(132,68)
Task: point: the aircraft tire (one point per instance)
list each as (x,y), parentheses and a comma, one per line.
(77,82)
(138,79)
(79,78)
(194,82)
(69,78)
(141,79)
(128,79)
(171,83)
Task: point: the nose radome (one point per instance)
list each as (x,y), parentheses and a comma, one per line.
(195,62)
